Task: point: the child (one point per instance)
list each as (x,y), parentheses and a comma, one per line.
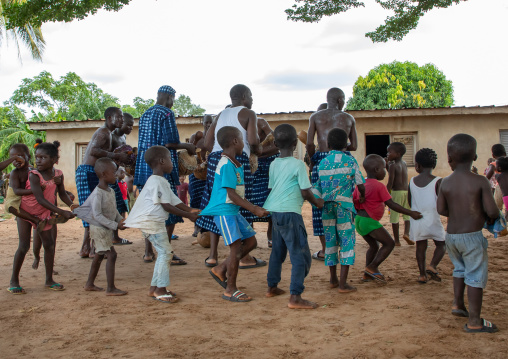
(498,151)
(228,195)
(422,196)
(100,211)
(40,204)
(502,179)
(370,212)
(289,185)
(466,199)
(397,186)
(183,191)
(150,213)
(338,174)
(493,181)
(120,176)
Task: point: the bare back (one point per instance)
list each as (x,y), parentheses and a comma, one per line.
(101,140)
(397,176)
(321,122)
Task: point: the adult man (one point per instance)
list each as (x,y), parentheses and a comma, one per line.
(86,180)
(239,115)
(118,136)
(157,127)
(320,123)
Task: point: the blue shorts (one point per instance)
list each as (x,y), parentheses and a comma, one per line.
(233,228)
(468,253)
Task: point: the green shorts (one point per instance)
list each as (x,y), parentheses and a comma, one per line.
(365,225)
(399,197)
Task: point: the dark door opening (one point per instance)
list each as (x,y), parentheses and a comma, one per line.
(376,144)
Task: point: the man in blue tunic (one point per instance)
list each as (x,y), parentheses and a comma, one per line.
(157,127)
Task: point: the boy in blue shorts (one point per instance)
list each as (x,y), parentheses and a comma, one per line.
(289,185)
(339,174)
(228,195)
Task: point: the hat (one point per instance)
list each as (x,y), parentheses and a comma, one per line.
(166,89)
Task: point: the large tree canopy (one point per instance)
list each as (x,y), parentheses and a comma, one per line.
(183,106)
(401,85)
(407,13)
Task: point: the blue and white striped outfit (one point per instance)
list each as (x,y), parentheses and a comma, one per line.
(260,189)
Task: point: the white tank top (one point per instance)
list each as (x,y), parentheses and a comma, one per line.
(424,200)
(229,117)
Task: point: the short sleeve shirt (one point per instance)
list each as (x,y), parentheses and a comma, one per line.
(287,177)
(376,195)
(339,174)
(227,175)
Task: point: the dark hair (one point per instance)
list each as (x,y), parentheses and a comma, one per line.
(371,161)
(110,111)
(226,135)
(399,147)
(127,116)
(502,163)
(426,158)
(498,150)
(462,148)
(284,135)
(337,139)
(154,153)
(102,163)
(22,147)
(205,116)
(237,92)
(51,148)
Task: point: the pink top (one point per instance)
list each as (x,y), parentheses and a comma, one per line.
(29,203)
(123,189)
(376,195)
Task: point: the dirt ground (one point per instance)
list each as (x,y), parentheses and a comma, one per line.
(403,319)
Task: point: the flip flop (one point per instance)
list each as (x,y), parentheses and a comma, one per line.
(236,297)
(378,277)
(259,263)
(315,256)
(422,281)
(147,260)
(433,275)
(408,241)
(211,265)
(460,313)
(222,283)
(487,327)
(160,298)
(177,261)
(174,236)
(123,242)
(19,289)
(269,243)
(57,287)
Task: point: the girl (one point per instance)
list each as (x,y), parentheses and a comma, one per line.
(40,204)
(422,197)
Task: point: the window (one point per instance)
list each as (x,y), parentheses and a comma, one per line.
(503,138)
(80,153)
(377,144)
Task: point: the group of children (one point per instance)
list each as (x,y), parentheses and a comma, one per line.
(350,203)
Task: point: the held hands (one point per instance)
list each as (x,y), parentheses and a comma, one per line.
(121,224)
(195,210)
(415,215)
(193,216)
(74,206)
(68,215)
(260,212)
(320,203)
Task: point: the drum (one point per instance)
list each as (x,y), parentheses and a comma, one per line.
(200,171)
(130,164)
(253,161)
(302,136)
(204,239)
(186,163)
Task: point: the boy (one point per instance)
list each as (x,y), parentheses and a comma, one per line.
(228,195)
(150,212)
(397,186)
(100,211)
(370,212)
(183,191)
(498,151)
(338,174)
(289,185)
(466,199)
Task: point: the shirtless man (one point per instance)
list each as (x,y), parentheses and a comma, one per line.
(86,180)
(320,123)
(261,191)
(119,135)
(240,115)
(197,186)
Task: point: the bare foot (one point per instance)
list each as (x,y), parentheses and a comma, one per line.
(115,292)
(93,288)
(334,284)
(422,279)
(347,289)
(84,252)
(35,264)
(299,303)
(408,241)
(397,244)
(274,291)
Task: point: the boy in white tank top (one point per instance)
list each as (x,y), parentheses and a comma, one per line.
(422,197)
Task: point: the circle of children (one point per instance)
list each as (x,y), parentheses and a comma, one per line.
(344,201)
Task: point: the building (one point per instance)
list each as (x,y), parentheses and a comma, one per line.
(417,128)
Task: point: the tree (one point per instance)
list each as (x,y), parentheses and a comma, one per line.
(406,17)
(19,134)
(139,108)
(184,107)
(69,98)
(401,85)
(27,33)
(37,12)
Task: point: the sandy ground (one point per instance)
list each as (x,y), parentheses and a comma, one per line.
(400,320)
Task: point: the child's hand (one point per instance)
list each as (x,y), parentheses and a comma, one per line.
(68,215)
(121,224)
(193,216)
(57,180)
(74,206)
(320,203)
(260,212)
(474,170)
(416,215)
(361,199)
(195,210)
(18,162)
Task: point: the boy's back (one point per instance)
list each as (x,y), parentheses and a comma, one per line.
(398,170)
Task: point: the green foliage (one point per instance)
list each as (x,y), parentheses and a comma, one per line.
(37,12)
(184,107)
(407,13)
(139,108)
(401,85)
(19,134)
(27,33)
(10,116)
(68,98)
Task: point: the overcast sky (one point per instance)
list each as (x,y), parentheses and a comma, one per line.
(203,47)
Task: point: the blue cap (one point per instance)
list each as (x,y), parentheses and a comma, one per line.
(167,89)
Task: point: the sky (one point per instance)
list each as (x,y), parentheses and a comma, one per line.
(202,48)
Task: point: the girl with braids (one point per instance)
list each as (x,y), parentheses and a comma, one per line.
(422,196)
(40,204)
